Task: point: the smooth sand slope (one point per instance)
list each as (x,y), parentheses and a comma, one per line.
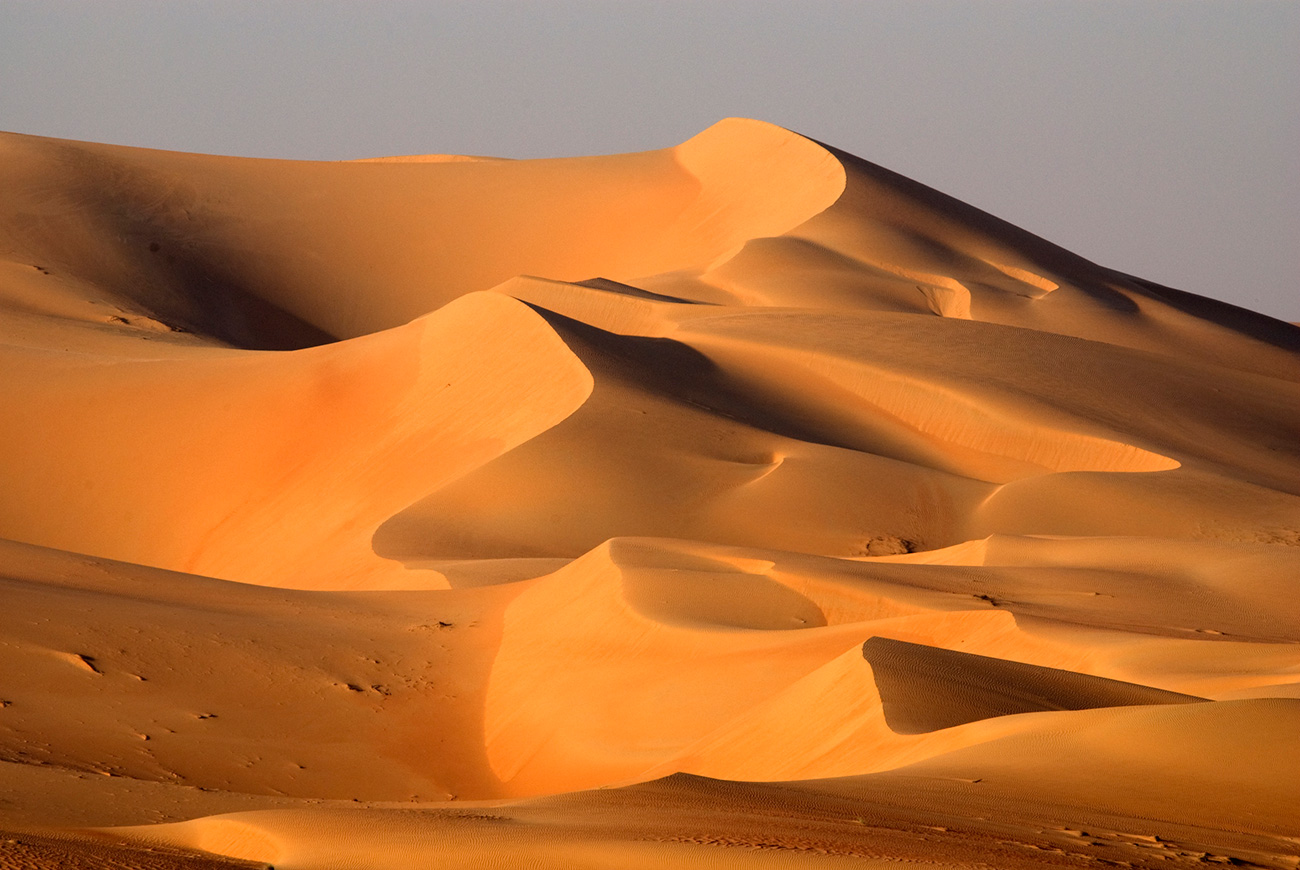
(738,504)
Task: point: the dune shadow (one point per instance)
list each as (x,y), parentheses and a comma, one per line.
(152,240)
(1260,327)
(924,688)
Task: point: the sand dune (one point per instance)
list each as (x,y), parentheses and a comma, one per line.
(740,503)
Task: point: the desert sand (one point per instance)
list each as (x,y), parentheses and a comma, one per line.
(737,504)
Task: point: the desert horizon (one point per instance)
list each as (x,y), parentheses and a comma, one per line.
(741,503)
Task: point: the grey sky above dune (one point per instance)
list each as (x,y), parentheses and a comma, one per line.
(1159,137)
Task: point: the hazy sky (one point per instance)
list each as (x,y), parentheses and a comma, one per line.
(1161,138)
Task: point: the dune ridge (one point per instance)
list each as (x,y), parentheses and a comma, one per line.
(737,503)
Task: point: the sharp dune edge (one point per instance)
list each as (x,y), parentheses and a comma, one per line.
(738,504)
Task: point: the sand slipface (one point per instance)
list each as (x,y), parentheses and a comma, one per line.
(737,504)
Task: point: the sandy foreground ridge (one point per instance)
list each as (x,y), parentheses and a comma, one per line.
(738,504)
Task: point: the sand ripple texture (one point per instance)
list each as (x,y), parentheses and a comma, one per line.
(737,504)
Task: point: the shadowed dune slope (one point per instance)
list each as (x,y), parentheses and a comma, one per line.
(735,504)
(212,244)
(910,677)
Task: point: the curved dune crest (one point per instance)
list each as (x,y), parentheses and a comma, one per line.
(229,836)
(737,503)
(745,168)
(591,620)
(298,457)
(197,240)
(887,704)
(988,437)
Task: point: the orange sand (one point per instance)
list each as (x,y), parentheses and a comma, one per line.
(739,504)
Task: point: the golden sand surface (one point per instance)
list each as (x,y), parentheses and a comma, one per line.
(737,504)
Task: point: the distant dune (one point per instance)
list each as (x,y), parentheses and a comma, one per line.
(738,504)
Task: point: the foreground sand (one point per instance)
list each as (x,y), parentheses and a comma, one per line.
(737,504)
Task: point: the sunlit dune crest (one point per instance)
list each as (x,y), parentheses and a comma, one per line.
(740,503)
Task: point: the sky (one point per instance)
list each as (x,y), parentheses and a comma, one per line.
(1157,137)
